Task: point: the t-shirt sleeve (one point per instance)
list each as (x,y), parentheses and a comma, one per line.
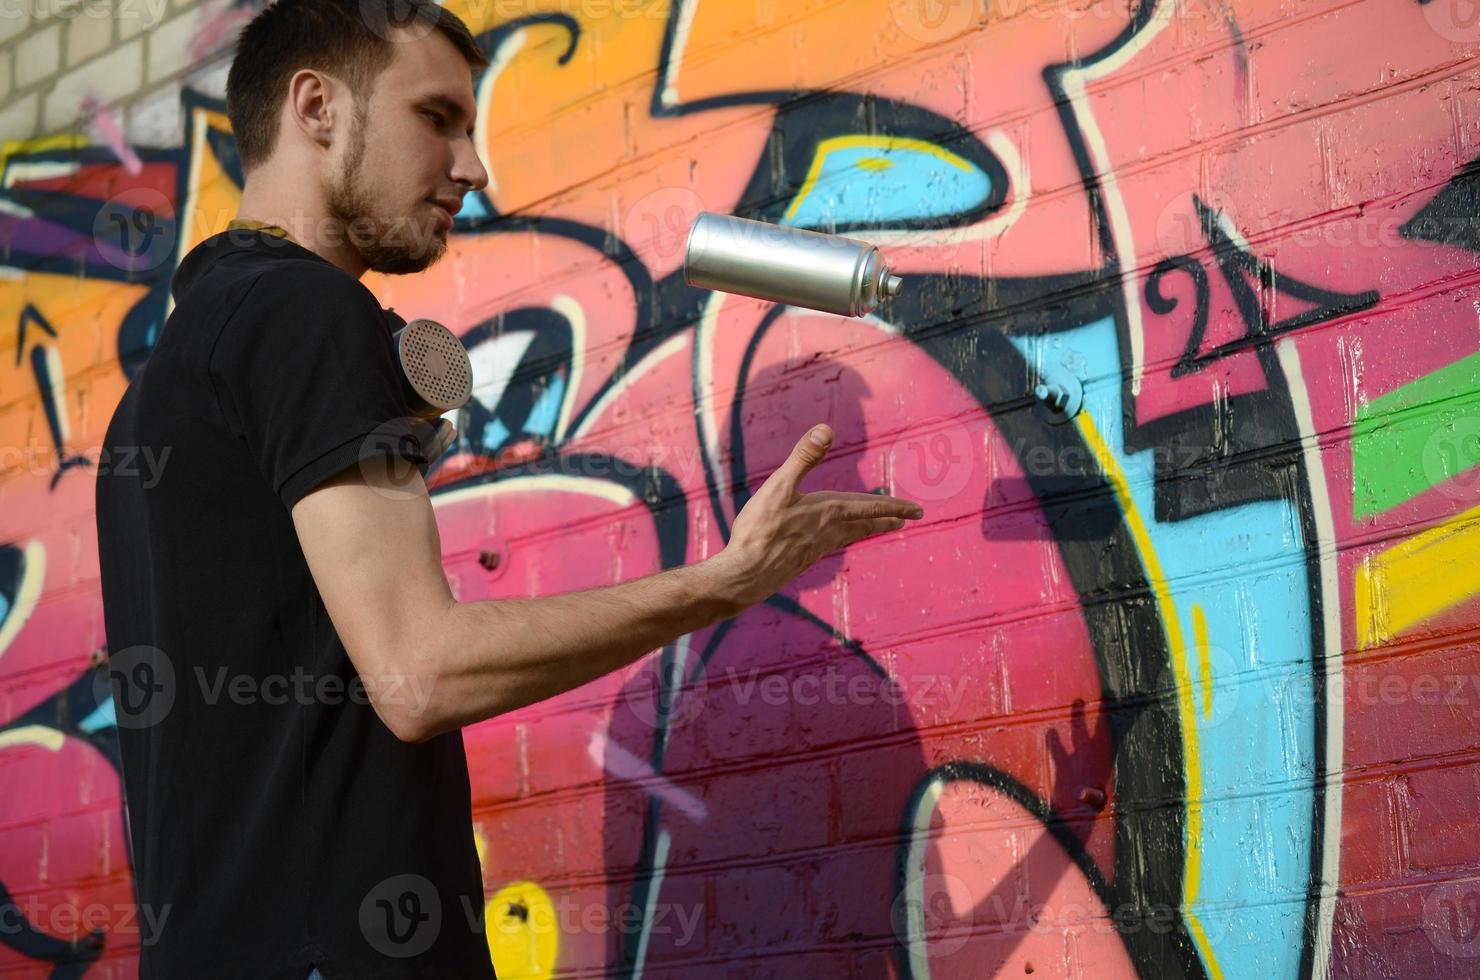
(306,374)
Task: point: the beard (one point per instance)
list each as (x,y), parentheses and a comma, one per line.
(389,245)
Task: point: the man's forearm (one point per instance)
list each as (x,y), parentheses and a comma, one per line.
(495,656)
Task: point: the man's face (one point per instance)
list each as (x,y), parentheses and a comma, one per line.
(409,147)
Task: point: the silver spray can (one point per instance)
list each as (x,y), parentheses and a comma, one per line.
(786,265)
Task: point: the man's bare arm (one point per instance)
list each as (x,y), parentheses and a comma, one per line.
(433,664)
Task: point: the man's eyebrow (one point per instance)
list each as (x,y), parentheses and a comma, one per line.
(451,108)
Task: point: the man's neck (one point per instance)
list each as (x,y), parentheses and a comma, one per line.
(306,224)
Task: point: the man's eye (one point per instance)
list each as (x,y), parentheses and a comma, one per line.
(436,117)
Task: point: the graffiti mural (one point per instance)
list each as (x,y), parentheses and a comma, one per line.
(1146,694)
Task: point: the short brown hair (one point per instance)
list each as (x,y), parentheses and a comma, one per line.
(349,39)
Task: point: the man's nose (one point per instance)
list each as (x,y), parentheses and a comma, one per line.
(467,168)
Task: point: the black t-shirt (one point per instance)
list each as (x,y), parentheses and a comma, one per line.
(275,822)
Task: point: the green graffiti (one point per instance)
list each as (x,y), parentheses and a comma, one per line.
(1417,437)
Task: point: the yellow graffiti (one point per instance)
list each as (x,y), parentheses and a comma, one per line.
(885,144)
(68,141)
(522,935)
(1417,579)
(1192,874)
(1204,660)
(539,129)
(38,735)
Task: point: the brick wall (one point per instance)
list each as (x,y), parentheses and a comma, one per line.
(1182,684)
(58,52)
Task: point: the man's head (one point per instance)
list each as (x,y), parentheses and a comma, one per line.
(361,110)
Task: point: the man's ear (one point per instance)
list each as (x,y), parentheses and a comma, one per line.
(309,103)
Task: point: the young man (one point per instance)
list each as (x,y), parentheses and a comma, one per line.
(291,672)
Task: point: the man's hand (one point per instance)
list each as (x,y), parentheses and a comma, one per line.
(780,533)
(435,437)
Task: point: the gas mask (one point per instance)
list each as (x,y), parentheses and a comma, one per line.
(437,378)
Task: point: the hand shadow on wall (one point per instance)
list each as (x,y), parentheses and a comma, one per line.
(773,771)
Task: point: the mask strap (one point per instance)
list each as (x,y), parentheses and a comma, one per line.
(250,225)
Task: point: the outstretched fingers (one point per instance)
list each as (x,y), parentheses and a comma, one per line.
(867,506)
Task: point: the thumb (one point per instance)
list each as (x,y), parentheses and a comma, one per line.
(807,454)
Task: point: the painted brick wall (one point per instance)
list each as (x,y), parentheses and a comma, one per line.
(1184,685)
